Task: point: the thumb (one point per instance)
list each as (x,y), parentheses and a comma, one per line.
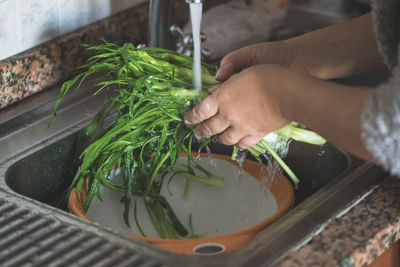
(234,62)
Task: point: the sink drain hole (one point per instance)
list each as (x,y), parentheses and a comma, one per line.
(209,249)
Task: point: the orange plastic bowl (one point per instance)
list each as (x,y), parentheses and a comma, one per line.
(281,189)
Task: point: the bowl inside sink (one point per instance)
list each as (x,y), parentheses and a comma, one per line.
(226,216)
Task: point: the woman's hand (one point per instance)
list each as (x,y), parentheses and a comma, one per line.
(264,98)
(245,108)
(261,53)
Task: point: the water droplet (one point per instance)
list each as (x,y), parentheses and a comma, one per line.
(240,157)
(210,157)
(267,176)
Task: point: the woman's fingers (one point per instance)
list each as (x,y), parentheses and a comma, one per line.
(206,109)
(230,136)
(225,133)
(234,62)
(211,127)
(234,136)
(249,141)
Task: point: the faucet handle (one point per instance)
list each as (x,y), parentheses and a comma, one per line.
(185,42)
(176,30)
(139,46)
(194,1)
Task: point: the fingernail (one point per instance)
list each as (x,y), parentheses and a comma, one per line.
(212,89)
(219,73)
(198,138)
(241,147)
(187,122)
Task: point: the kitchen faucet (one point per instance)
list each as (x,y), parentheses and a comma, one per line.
(158,22)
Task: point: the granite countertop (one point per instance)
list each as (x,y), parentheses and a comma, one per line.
(354,238)
(358,235)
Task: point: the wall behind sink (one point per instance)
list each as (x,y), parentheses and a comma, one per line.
(27,23)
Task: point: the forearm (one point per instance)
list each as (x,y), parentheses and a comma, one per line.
(331,109)
(341,50)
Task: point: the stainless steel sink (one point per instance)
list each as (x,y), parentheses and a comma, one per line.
(38,165)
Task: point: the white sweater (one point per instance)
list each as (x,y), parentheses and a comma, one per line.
(381,116)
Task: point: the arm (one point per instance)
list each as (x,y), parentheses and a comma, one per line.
(331,109)
(341,50)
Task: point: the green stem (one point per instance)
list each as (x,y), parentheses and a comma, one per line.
(166,156)
(212,180)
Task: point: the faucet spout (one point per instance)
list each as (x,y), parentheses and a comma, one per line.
(158,28)
(158,23)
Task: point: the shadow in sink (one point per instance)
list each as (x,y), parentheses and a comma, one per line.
(46,174)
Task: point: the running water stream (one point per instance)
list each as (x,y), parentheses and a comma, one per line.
(196,9)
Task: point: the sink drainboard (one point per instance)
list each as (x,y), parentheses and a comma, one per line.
(31,237)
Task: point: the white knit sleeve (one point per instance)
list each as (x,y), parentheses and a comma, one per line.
(381,123)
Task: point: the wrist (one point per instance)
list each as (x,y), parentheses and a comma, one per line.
(292,95)
(282,53)
(283,89)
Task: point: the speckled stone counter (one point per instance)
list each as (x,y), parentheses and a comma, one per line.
(44,66)
(357,237)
